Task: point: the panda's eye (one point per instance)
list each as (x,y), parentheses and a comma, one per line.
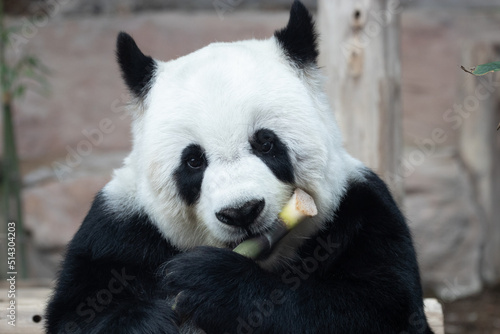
(193,157)
(196,162)
(266,147)
(264,141)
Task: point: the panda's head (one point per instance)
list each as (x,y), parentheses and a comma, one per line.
(224,135)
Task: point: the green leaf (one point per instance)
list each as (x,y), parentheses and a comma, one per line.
(487,68)
(483,69)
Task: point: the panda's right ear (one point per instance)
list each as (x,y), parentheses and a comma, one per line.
(137,69)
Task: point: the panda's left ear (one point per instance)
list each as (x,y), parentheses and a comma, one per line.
(137,69)
(299,39)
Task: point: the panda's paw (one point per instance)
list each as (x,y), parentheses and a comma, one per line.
(207,283)
(208,267)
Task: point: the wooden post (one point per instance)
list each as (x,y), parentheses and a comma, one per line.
(360,54)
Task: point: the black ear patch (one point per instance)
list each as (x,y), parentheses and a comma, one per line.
(137,69)
(299,39)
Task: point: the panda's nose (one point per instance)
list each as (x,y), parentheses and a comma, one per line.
(241,216)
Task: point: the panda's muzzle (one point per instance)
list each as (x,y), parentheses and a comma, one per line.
(241,216)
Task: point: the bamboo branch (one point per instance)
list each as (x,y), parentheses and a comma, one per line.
(300,206)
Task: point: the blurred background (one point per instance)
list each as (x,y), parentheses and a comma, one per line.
(71,128)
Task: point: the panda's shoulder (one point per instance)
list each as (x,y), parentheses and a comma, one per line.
(368,196)
(367,216)
(127,236)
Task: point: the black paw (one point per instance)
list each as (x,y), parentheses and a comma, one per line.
(209,284)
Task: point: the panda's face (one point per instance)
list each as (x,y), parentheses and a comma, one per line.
(224,135)
(228,133)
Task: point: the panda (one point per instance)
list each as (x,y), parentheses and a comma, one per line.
(221,138)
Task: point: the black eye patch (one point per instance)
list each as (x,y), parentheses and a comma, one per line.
(273,152)
(189,174)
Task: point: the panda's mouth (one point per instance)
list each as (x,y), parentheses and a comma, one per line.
(235,243)
(246,236)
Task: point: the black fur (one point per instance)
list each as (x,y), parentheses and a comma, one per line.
(137,69)
(108,282)
(277,158)
(189,179)
(359,275)
(299,39)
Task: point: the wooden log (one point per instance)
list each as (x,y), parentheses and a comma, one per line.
(434,314)
(359,51)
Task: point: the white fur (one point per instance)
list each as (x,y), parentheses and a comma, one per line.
(218,97)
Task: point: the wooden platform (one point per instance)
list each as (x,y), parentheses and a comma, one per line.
(31,303)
